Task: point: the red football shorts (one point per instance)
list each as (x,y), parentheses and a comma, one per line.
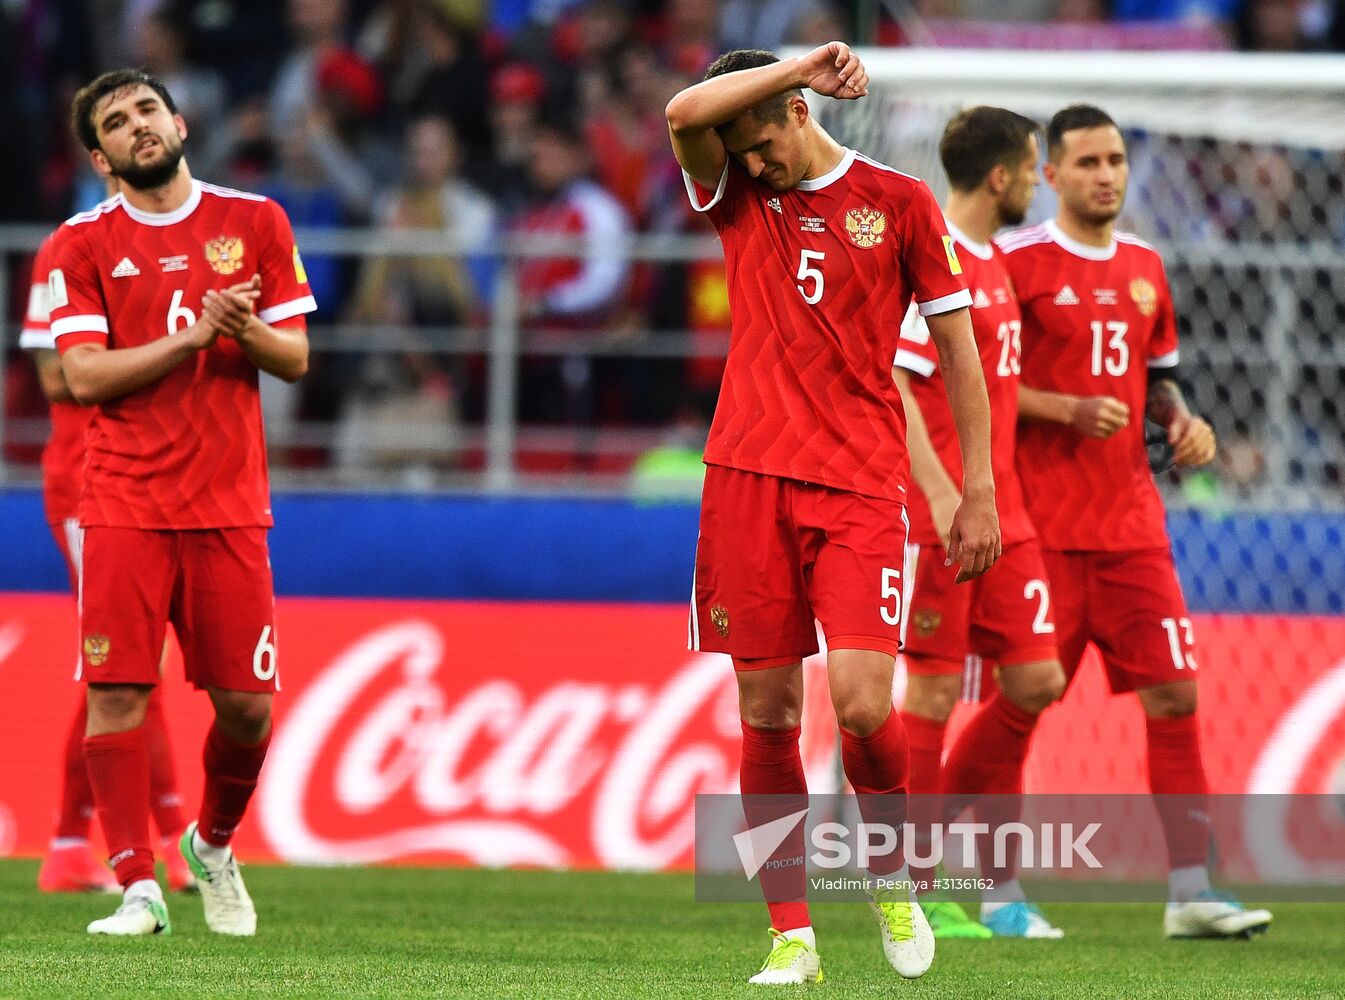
(774,554)
(213,586)
(1128,604)
(1003,616)
(68,539)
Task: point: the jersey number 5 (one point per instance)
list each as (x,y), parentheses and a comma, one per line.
(807,273)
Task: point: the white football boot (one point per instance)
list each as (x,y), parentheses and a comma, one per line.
(138,915)
(792,962)
(908,942)
(228,907)
(1213,915)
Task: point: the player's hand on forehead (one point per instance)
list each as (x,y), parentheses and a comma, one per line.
(833,70)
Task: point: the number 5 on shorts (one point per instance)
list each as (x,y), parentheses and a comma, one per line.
(892,592)
(264,657)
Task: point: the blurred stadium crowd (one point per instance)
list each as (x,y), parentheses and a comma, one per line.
(471,117)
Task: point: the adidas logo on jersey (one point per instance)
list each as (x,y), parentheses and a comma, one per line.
(980,300)
(1067,297)
(774,203)
(125,269)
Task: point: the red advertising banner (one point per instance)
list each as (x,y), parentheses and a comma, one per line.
(579,734)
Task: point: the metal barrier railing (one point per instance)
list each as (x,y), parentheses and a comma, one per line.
(502,340)
(1247,370)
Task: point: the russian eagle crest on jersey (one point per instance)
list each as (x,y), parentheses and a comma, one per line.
(1095,321)
(187,451)
(808,392)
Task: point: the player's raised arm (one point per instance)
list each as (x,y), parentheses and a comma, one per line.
(974,537)
(831,70)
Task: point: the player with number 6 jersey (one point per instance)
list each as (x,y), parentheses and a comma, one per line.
(166,301)
(1099,358)
(803,512)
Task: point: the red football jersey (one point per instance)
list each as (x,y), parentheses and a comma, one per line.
(997,324)
(63,456)
(819,279)
(1094,321)
(187,451)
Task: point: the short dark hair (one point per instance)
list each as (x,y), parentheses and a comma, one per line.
(81,108)
(773,110)
(1068,119)
(979,139)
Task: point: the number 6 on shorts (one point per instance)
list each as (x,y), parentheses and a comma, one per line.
(264,656)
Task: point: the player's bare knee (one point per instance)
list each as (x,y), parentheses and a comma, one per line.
(1033,687)
(771,711)
(861,716)
(243,716)
(1169,701)
(932,697)
(116,708)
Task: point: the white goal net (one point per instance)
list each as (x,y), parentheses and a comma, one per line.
(1237,165)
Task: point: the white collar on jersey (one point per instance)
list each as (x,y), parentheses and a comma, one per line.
(165,218)
(982,250)
(831,176)
(1080,249)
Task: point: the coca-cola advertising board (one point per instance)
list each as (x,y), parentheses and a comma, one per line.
(579,734)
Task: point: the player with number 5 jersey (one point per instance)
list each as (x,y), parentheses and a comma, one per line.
(1099,359)
(166,301)
(803,514)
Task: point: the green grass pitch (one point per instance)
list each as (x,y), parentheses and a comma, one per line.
(414,932)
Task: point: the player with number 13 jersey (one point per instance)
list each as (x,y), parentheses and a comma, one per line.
(1099,359)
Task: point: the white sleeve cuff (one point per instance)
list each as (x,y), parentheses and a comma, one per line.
(913,362)
(958,300)
(284,310)
(36,338)
(690,183)
(1168,360)
(90,323)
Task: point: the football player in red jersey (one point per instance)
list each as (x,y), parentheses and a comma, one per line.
(1003,619)
(166,301)
(1099,357)
(803,514)
(69,866)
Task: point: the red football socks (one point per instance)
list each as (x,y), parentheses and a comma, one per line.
(773,785)
(988,759)
(989,754)
(75,813)
(877,766)
(924,737)
(118,768)
(231,771)
(164,801)
(1177,780)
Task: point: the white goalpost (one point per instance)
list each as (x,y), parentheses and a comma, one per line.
(1237,171)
